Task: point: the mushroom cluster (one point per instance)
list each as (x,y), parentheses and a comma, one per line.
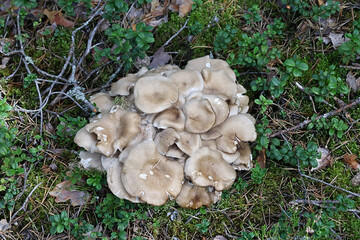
(181,134)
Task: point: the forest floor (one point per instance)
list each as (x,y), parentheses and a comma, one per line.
(298,60)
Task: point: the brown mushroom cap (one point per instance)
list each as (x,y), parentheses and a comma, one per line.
(114,130)
(150,176)
(206,167)
(171,117)
(199,116)
(165,139)
(239,127)
(164,71)
(220,108)
(188,142)
(175,152)
(199,64)
(154,94)
(113,169)
(244,161)
(91,160)
(218,83)
(87,140)
(123,85)
(192,196)
(187,81)
(103,101)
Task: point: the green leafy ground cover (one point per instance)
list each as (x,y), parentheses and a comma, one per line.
(281,52)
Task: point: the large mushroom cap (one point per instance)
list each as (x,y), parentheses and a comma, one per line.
(206,167)
(187,81)
(188,142)
(87,140)
(91,160)
(192,196)
(199,116)
(151,177)
(154,94)
(218,83)
(171,117)
(103,101)
(123,85)
(114,130)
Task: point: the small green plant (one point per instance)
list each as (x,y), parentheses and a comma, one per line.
(203,226)
(113,7)
(30,78)
(262,130)
(252,15)
(240,184)
(309,155)
(335,125)
(263,102)
(224,37)
(26,3)
(68,5)
(95,180)
(295,67)
(276,86)
(258,174)
(324,11)
(276,28)
(68,127)
(327,84)
(351,48)
(60,222)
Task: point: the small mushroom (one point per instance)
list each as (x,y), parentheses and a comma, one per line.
(199,116)
(192,196)
(218,83)
(244,161)
(91,160)
(103,101)
(150,176)
(188,142)
(114,130)
(171,117)
(122,86)
(220,108)
(154,94)
(165,139)
(206,167)
(113,172)
(187,81)
(87,140)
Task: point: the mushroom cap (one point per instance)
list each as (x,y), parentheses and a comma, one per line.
(209,143)
(212,134)
(220,108)
(114,130)
(154,94)
(123,85)
(218,83)
(150,176)
(174,152)
(188,142)
(91,160)
(87,140)
(171,117)
(187,81)
(239,127)
(165,139)
(164,71)
(103,101)
(113,169)
(193,197)
(244,161)
(199,116)
(206,167)
(194,96)
(199,64)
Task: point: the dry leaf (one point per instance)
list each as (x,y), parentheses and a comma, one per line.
(261,159)
(160,58)
(181,6)
(353,82)
(320,2)
(219,237)
(350,160)
(324,160)
(57,17)
(65,191)
(4,225)
(337,39)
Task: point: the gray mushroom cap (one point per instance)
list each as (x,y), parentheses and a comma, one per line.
(199,116)
(103,101)
(150,176)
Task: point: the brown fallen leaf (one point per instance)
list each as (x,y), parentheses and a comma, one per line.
(337,39)
(160,58)
(350,160)
(65,191)
(353,82)
(325,159)
(261,159)
(57,17)
(181,6)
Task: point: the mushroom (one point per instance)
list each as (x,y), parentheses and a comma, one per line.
(218,83)
(114,130)
(150,176)
(165,139)
(220,108)
(91,160)
(199,116)
(188,142)
(113,169)
(244,161)
(86,140)
(103,101)
(206,167)
(171,117)
(123,86)
(192,196)
(154,94)
(187,81)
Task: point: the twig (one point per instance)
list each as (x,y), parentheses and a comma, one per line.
(23,207)
(326,115)
(182,28)
(350,67)
(321,204)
